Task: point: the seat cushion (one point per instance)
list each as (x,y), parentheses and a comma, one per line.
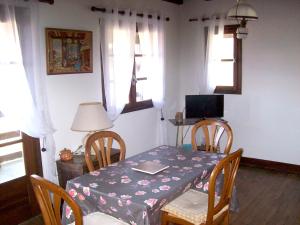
(190,206)
(98,218)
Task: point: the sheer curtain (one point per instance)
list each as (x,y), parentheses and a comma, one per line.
(151,37)
(118,34)
(22,87)
(151,34)
(213,53)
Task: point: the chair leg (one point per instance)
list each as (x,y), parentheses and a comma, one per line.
(226,219)
(164,220)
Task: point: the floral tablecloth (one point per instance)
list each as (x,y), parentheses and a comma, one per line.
(136,197)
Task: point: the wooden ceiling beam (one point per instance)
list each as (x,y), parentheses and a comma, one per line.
(178,2)
(51,2)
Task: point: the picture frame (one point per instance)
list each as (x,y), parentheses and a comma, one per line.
(68,51)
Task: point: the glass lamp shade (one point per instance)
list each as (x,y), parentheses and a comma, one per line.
(242,11)
(241,32)
(91,116)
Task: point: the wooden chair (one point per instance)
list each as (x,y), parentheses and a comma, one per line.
(212,131)
(101,143)
(195,207)
(51,210)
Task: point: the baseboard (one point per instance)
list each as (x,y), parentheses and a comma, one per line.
(271,165)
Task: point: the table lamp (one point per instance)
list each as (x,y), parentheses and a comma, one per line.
(90,117)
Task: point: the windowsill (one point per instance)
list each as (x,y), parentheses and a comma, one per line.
(137,106)
(227,90)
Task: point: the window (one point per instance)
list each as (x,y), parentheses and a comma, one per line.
(230,79)
(224,60)
(132,64)
(139,96)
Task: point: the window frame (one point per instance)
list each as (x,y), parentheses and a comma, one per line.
(133,105)
(237,65)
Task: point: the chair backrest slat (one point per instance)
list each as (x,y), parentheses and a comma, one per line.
(213,130)
(108,149)
(105,141)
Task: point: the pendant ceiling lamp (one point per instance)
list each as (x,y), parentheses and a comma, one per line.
(242,12)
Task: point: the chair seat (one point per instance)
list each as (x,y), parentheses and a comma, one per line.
(98,218)
(190,206)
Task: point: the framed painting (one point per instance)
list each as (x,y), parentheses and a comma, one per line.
(68,51)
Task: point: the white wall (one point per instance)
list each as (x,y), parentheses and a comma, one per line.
(65,92)
(265,118)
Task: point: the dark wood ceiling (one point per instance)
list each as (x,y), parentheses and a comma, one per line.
(47,1)
(179,2)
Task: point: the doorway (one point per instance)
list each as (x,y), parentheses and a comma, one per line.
(20,157)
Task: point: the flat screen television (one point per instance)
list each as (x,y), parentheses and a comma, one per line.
(204,106)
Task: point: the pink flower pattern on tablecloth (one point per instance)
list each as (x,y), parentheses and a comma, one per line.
(156,190)
(205,188)
(102,200)
(125,180)
(164,188)
(128,202)
(199,185)
(81,197)
(151,202)
(204,173)
(126,196)
(140,193)
(93,185)
(120,203)
(68,212)
(113,209)
(86,191)
(112,194)
(143,182)
(95,173)
(72,193)
(165,180)
(198,159)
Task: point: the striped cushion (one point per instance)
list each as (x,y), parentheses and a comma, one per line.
(190,206)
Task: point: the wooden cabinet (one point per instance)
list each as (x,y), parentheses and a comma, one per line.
(76,167)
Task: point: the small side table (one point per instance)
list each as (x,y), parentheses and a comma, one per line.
(76,167)
(179,133)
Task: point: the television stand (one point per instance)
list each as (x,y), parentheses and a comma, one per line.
(180,125)
(187,122)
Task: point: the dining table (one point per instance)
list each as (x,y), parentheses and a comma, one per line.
(136,197)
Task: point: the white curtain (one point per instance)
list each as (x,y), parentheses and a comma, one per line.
(151,34)
(118,34)
(151,37)
(213,53)
(22,87)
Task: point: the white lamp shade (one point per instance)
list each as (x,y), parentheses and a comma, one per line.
(242,11)
(91,116)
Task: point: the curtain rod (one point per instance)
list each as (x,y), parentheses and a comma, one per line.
(122,12)
(203,19)
(51,2)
